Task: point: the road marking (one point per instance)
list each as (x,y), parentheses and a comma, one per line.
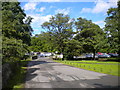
(65,77)
(85,85)
(52,78)
(76,78)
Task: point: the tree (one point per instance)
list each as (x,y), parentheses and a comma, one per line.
(111,28)
(13,50)
(119,27)
(16,33)
(42,43)
(73,48)
(60,29)
(12,22)
(90,35)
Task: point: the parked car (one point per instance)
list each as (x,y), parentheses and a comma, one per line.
(46,54)
(104,55)
(91,56)
(41,55)
(34,57)
(113,54)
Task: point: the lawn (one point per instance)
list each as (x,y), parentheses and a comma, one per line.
(108,67)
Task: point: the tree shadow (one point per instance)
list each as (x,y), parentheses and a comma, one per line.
(30,73)
(33,63)
(106,86)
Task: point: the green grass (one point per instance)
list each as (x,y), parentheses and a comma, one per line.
(108,67)
(17,81)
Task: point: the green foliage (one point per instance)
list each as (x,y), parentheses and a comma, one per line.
(42,43)
(90,35)
(112,29)
(16,33)
(17,80)
(13,49)
(12,22)
(60,30)
(73,48)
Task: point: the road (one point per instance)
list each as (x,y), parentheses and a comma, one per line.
(45,73)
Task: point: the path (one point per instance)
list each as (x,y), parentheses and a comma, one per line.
(44,73)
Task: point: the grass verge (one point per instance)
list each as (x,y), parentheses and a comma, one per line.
(18,79)
(111,68)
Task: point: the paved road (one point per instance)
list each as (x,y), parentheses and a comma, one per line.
(44,73)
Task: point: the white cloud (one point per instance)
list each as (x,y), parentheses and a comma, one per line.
(30,6)
(86,10)
(100,23)
(42,9)
(52,7)
(101,6)
(55,0)
(50,0)
(64,11)
(36,30)
(38,19)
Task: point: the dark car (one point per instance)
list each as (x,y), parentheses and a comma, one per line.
(113,54)
(91,56)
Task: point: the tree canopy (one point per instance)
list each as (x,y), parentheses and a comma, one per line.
(60,30)
(13,24)
(16,32)
(112,29)
(90,35)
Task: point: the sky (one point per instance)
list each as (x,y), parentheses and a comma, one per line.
(42,10)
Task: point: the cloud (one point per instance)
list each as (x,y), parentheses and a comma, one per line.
(52,7)
(64,11)
(40,0)
(101,6)
(30,6)
(38,19)
(86,10)
(42,9)
(101,23)
(55,0)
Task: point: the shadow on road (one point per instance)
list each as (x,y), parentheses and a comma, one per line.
(30,73)
(107,81)
(31,69)
(106,86)
(33,63)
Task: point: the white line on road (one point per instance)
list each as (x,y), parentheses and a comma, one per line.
(85,85)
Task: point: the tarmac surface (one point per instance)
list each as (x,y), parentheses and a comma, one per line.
(45,73)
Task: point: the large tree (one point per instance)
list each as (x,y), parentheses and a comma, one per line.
(73,48)
(13,24)
(112,28)
(16,32)
(90,35)
(60,29)
(42,43)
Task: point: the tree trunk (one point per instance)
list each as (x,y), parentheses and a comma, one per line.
(94,54)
